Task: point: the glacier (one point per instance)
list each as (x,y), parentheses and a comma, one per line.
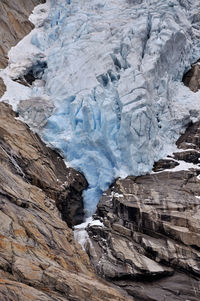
(114,75)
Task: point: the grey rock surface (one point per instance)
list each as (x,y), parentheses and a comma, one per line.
(35,111)
(30,158)
(192,78)
(2,87)
(150,242)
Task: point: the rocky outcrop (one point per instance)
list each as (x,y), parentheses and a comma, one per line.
(2,87)
(192,78)
(35,111)
(39,259)
(164,164)
(150,244)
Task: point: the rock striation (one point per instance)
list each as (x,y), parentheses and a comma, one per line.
(39,258)
(150,242)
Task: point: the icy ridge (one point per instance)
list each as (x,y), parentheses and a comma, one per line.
(114,74)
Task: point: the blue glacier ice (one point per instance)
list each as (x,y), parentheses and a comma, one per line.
(114,75)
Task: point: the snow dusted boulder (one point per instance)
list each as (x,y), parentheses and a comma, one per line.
(35,111)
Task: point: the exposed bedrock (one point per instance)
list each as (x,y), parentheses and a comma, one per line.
(39,258)
(2,87)
(150,242)
(192,78)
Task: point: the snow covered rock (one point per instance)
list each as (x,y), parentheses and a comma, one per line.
(35,111)
(14,24)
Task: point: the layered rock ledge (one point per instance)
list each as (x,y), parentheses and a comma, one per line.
(150,242)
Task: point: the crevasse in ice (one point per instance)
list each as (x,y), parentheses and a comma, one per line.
(114,74)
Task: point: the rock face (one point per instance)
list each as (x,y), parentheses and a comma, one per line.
(150,241)
(192,78)
(2,87)
(39,259)
(28,157)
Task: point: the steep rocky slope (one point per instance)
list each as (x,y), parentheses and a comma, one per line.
(39,259)
(28,157)
(150,242)
(192,77)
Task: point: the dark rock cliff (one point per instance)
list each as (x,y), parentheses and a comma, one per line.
(150,242)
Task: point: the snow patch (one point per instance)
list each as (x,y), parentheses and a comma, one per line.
(80,233)
(182,166)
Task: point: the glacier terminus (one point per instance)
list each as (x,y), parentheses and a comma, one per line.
(113,75)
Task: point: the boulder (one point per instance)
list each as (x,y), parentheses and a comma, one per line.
(192,78)
(35,111)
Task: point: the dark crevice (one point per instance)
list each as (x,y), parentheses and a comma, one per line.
(34,72)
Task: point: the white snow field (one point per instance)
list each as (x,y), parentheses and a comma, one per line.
(114,74)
